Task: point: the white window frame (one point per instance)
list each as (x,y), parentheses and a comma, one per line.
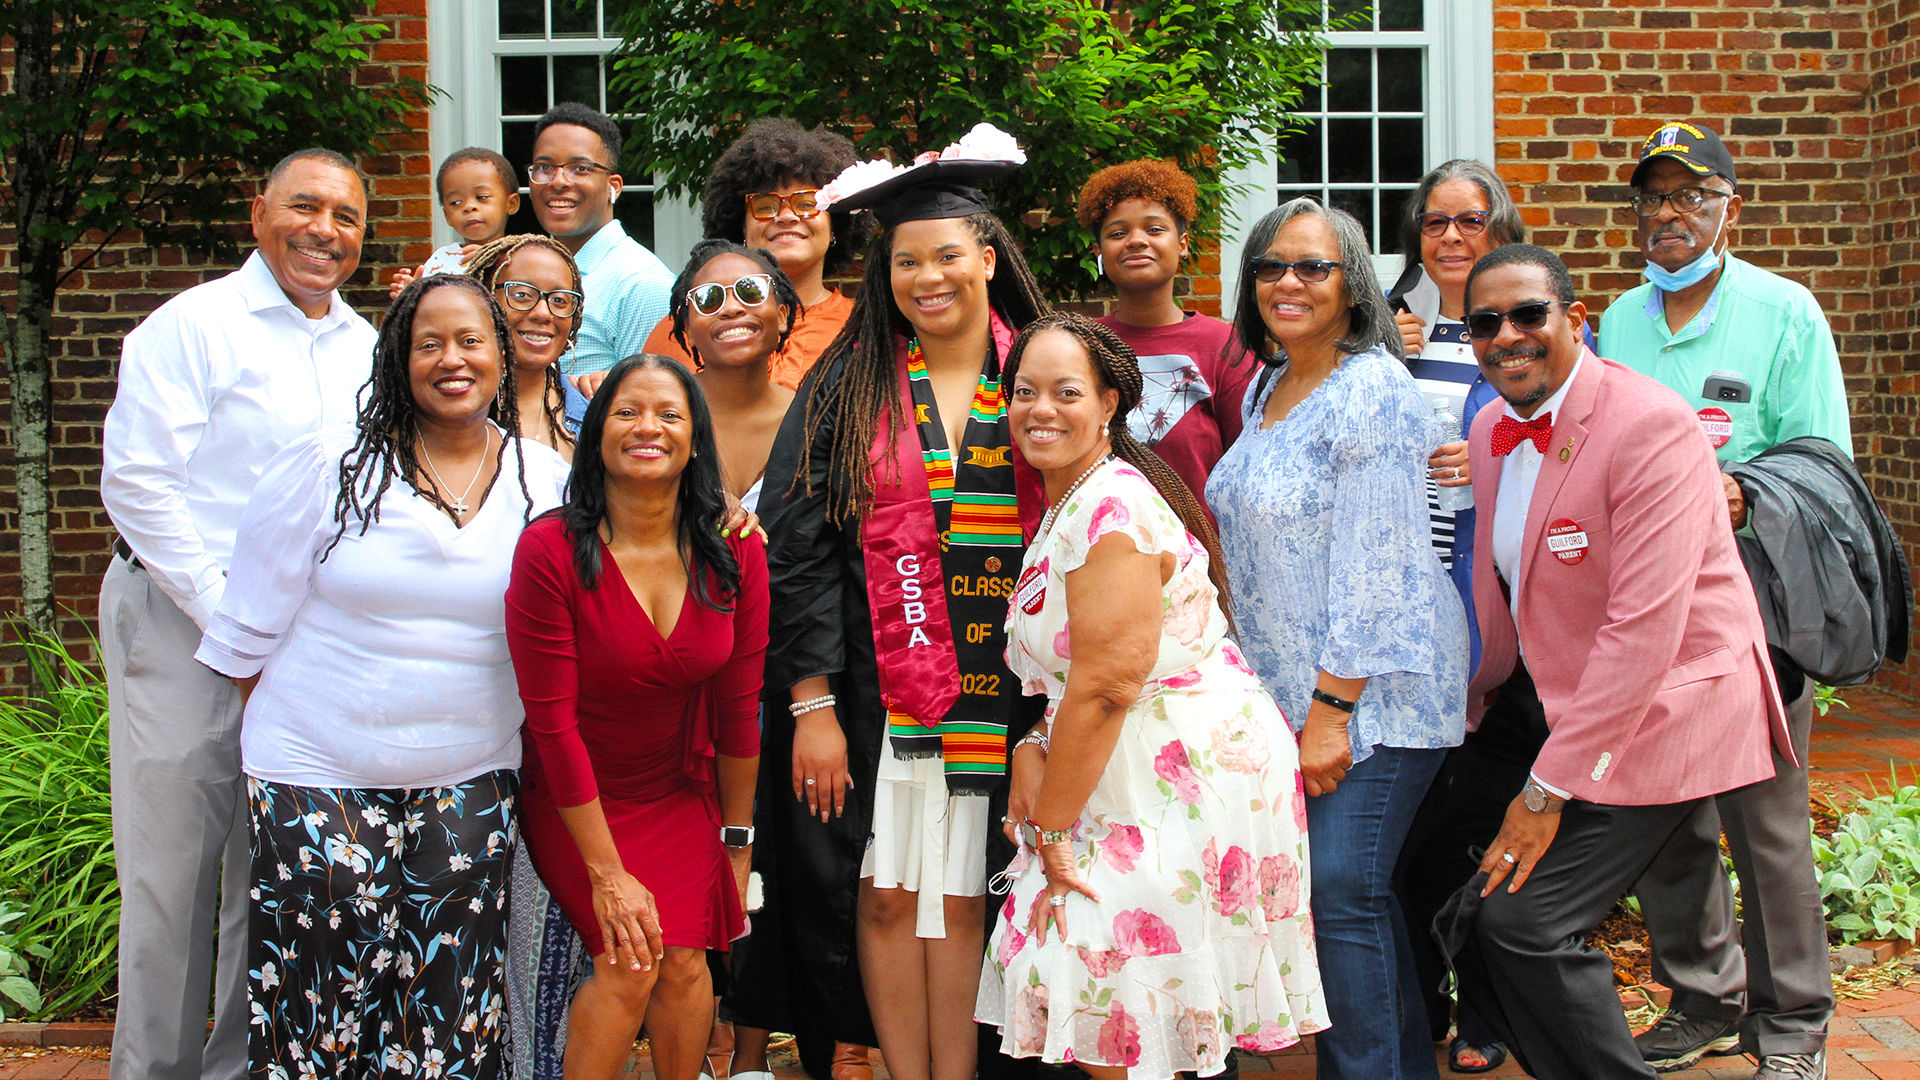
(464,48)
(1457,90)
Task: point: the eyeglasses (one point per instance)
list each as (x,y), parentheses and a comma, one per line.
(765,205)
(1471,223)
(521,296)
(543,172)
(1485,325)
(1685,201)
(1308,270)
(751,290)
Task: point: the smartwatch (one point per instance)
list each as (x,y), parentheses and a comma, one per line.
(736,835)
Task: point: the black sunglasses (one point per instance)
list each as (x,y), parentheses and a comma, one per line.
(751,290)
(1308,270)
(1485,325)
(1471,223)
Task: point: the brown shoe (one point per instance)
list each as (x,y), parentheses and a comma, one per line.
(850,1062)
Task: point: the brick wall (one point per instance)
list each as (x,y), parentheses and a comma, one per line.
(1814,99)
(100,304)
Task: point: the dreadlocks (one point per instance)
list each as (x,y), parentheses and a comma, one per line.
(389,428)
(1116,367)
(486,264)
(867,393)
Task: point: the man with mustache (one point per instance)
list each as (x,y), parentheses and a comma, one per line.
(1617,600)
(212,384)
(1701,312)
(574,181)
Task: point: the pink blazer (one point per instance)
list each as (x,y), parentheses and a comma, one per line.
(1645,645)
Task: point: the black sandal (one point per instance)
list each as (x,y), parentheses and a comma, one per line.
(1495,1053)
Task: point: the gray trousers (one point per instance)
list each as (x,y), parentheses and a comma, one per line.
(1696,951)
(179,840)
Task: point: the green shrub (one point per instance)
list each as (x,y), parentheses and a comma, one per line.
(56,832)
(1870,870)
(15,986)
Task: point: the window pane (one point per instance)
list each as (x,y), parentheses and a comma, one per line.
(636,215)
(1399,14)
(1400,78)
(523,85)
(516,142)
(1350,150)
(522,19)
(1402,153)
(1359,203)
(577,78)
(1300,156)
(1349,82)
(1342,8)
(1392,205)
(576,18)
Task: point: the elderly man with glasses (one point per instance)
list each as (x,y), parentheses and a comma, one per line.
(575,181)
(1752,353)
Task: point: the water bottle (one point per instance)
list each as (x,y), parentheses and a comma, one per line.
(1446,420)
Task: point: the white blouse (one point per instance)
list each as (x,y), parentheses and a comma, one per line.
(385,664)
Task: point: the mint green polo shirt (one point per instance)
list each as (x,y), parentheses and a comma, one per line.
(1760,324)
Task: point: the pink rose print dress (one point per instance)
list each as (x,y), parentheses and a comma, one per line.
(1195,837)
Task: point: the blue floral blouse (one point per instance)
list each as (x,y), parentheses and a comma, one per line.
(1326,539)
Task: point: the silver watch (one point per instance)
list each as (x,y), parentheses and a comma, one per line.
(1539,799)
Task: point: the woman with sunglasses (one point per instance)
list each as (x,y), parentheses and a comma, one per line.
(764,192)
(536,283)
(1342,609)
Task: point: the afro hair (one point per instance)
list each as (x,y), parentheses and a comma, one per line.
(771,152)
(1161,181)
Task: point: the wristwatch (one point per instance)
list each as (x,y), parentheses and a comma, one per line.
(1540,800)
(736,835)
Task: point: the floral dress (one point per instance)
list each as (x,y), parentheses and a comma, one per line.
(1194,838)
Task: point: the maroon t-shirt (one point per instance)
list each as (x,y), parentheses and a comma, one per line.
(1189,411)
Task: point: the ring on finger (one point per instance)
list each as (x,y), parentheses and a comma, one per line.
(1057,900)
(1507,857)
(811,781)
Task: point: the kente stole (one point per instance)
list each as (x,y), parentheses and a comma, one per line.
(942,545)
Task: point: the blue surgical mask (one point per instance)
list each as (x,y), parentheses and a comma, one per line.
(1694,272)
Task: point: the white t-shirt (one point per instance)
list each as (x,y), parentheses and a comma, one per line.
(386,664)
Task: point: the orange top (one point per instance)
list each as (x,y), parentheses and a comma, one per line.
(812,332)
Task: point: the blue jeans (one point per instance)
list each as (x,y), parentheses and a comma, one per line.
(1379,1017)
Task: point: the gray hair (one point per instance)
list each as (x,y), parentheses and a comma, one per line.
(1369,319)
(1503,217)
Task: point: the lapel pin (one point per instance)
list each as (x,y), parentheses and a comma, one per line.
(1567,450)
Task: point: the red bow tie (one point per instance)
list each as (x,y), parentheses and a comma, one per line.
(1509,433)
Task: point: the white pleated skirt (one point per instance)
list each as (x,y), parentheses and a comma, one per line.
(925,840)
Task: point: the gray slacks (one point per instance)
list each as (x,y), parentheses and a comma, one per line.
(179,840)
(1696,951)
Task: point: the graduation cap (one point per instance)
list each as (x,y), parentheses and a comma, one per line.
(939,184)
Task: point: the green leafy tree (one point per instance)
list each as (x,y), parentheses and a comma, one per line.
(1081,83)
(145,116)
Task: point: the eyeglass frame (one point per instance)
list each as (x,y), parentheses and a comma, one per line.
(1256,264)
(1667,198)
(1503,318)
(784,201)
(766,281)
(581,168)
(544,296)
(1458,221)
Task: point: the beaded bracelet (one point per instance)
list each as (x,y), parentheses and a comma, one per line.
(824,701)
(1037,738)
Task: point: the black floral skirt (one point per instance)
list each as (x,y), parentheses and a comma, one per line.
(378,933)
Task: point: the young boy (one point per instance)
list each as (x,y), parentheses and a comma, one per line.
(477,194)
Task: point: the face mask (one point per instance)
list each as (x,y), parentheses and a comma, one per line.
(1694,272)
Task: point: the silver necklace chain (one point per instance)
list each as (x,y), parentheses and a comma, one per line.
(459,505)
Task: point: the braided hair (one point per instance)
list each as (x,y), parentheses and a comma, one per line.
(701,508)
(867,392)
(1117,368)
(389,436)
(487,263)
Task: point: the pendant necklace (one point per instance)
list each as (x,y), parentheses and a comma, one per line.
(459,505)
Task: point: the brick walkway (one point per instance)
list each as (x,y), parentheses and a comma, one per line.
(1875,1038)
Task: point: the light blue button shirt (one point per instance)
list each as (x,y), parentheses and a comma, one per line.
(627,288)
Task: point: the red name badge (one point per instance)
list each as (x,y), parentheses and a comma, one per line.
(1031,591)
(1567,541)
(1717,424)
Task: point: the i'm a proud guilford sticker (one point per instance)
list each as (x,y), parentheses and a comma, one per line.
(1717,424)
(1567,541)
